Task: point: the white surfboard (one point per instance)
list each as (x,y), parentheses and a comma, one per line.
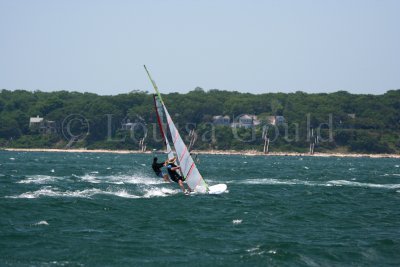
(217,189)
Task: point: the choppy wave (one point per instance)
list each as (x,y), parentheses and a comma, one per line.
(88,178)
(120,179)
(237,221)
(41,223)
(270,181)
(38,179)
(49,191)
(92,178)
(358,184)
(160,192)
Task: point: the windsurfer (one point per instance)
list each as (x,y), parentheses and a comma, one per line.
(157,169)
(175,176)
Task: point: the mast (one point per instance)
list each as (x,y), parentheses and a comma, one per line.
(154,85)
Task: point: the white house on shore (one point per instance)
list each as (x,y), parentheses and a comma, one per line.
(275,120)
(222,120)
(42,126)
(35,121)
(246,121)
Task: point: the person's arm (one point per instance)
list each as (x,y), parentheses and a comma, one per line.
(175,168)
(159,165)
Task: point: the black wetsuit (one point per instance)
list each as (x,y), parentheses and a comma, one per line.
(157,167)
(173,174)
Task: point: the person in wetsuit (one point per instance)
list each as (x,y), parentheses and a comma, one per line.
(175,176)
(157,169)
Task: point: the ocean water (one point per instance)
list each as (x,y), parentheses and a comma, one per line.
(94,209)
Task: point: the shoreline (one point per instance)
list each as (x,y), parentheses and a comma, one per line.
(210,152)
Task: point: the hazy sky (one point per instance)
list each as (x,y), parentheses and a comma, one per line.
(248,46)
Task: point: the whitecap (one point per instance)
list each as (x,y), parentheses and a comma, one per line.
(237,221)
(123,193)
(305,167)
(120,179)
(359,184)
(160,192)
(271,181)
(38,179)
(12,158)
(255,251)
(87,193)
(46,191)
(89,178)
(52,170)
(42,223)
(127,179)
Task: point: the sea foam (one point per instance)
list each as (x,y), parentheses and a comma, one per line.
(42,223)
(119,179)
(38,179)
(359,184)
(87,193)
(270,181)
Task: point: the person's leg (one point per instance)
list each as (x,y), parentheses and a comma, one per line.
(181,185)
(190,189)
(166,178)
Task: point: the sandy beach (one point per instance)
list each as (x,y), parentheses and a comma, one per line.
(211,152)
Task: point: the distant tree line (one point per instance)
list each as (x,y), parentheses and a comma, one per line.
(344,122)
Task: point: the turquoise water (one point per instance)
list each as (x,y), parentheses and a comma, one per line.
(93,209)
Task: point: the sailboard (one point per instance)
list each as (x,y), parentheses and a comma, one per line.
(189,170)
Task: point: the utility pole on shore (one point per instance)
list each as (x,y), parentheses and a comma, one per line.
(142,144)
(193,139)
(312,142)
(266,140)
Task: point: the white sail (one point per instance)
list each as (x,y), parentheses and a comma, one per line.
(160,117)
(189,170)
